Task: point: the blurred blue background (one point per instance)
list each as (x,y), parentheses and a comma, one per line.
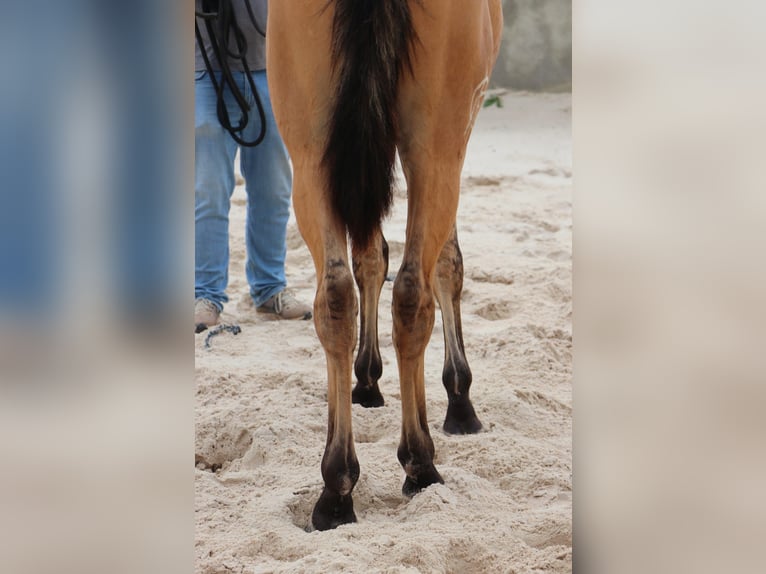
(91,179)
(96,223)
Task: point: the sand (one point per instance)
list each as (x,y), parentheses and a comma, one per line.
(506,504)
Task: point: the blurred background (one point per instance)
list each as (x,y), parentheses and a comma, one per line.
(536,53)
(669,283)
(96,236)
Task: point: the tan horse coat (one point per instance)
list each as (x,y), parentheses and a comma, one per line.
(436,102)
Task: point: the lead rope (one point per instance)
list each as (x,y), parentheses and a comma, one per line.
(228,28)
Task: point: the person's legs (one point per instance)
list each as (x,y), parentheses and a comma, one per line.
(214,152)
(268,177)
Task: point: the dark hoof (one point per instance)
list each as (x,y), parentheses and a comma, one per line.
(368,397)
(199,327)
(461,419)
(332,510)
(424,479)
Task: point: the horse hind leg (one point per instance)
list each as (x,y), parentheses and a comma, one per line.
(433,195)
(413,310)
(370,269)
(456,376)
(335,308)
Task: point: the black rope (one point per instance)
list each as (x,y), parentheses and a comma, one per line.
(253,19)
(218,329)
(221,13)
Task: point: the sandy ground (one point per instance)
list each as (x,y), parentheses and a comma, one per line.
(506,503)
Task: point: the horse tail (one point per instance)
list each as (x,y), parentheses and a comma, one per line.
(371,48)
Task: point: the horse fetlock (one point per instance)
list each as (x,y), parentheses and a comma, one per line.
(456,377)
(340,470)
(368,369)
(416,457)
(368,366)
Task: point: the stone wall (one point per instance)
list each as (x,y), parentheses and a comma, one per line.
(536,52)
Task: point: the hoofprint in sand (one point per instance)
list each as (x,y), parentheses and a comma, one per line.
(506,501)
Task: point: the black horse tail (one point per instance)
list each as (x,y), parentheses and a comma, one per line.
(371,47)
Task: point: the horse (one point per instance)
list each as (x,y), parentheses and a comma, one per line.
(352,82)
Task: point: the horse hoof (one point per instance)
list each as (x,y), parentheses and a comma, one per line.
(332,510)
(461,419)
(412,485)
(368,397)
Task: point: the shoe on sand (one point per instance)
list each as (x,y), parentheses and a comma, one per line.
(285,306)
(206,314)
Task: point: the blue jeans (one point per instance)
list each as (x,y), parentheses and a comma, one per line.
(268,181)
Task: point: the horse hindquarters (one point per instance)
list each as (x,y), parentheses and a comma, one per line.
(411,72)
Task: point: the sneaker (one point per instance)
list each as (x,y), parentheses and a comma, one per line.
(285,306)
(206,314)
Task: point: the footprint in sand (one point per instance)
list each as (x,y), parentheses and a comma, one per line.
(495,311)
(220,444)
